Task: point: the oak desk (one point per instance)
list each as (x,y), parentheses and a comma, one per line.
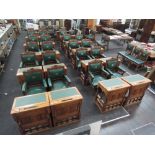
(32,113)
(65,106)
(111,94)
(138,84)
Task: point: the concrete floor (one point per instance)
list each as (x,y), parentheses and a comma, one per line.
(10,88)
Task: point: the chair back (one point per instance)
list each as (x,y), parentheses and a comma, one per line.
(47,45)
(73,44)
(56,72)
(28,58)
(96,52)
(79,37)
(33,76)
(33,46)
(66,37)
(86,43)
(112,64)
(49,56)
(95,66)
(45,37)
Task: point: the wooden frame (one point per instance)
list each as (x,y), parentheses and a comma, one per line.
(65,110)
(111,97)
(34,117)
(137,88)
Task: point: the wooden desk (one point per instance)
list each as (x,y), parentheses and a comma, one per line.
(65,106)
(138,84)
(20,71)
(111,94)
(45,67)
(32,113)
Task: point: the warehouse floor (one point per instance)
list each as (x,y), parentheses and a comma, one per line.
(10,88)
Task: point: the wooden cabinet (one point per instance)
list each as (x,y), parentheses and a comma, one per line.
(65,106)
(32,113)
(111,94)
(138,84)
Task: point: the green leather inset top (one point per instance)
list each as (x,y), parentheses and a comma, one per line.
(62,93)
(113,82)
(134,78)
(30,99)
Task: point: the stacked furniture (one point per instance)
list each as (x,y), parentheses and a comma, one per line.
(7,39)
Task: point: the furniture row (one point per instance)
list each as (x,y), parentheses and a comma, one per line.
(95,70)
(123,91)
(39,112)
(36,47)
(43,78)
(134,56)
(29,59)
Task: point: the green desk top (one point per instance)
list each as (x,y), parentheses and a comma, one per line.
(68,92)
(112,83)
(134,78)
(30,99)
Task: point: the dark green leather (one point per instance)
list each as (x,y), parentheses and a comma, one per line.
(33,38)
(33,46)
(34,83)
(95,53)
(79,37)
(112,64)
(95,67)
(73,45)
(95,73)
(54,74)
(113,68)
(29,60)
(45,38)
(90,36)
(57,79)
(47,46)
(86,44)
(67,37)
(49,58)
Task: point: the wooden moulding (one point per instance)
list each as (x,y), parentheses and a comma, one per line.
(65,110)
(137,89)
(114,95)
(34,117)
